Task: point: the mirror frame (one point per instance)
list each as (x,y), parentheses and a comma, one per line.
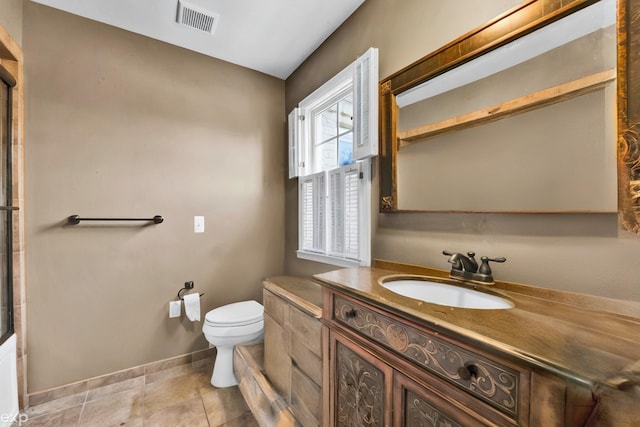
(511,25)
(629,115)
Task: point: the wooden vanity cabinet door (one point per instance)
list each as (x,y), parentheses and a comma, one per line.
(420,405)
(361,386)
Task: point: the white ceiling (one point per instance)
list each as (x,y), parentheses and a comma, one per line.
(271,36)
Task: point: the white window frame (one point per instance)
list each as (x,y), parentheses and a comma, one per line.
(328,240)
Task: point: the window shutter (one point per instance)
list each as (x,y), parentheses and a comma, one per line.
(365,91)
(336,212)
(351,231)
(311,216)
(320,201)
(305,213)
(295,145)
(344,211)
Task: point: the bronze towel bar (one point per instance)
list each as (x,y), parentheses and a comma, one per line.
(75,219)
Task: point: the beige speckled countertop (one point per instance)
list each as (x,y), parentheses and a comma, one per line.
(574,336)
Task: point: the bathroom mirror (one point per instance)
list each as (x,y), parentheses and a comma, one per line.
(518,115)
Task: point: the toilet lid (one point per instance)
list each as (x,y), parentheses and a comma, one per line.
(236,314)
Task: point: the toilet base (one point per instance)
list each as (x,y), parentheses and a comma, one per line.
(223,375)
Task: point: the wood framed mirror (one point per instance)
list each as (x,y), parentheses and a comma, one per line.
(516,25)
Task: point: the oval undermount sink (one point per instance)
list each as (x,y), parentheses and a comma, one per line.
(445,294)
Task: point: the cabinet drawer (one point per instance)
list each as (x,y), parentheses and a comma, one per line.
(276,308)
(306,331)
(494,383)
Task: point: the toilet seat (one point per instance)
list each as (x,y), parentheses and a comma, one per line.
(236,314)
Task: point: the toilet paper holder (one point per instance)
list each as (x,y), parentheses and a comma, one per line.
(187,286)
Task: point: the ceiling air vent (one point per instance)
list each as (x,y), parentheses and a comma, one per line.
(196,17)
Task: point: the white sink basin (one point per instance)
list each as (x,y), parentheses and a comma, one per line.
(445,294)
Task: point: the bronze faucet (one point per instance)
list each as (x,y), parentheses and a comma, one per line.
(465,267)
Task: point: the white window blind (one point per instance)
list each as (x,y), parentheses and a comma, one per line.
(352,213)
(336,212)
(344,211)
(311,211)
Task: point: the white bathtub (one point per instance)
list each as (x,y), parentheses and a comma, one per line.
(8,382)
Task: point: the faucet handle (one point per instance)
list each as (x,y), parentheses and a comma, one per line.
(454,259)
(484,267)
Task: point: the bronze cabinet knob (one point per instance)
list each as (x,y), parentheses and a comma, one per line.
(350,314)
(468,371)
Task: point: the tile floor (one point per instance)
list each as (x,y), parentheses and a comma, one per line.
(180,396)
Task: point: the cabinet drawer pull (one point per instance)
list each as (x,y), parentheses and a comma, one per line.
(468,371)
(351,314)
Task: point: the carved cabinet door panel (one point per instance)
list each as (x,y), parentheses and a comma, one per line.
(430,405)
(360,386)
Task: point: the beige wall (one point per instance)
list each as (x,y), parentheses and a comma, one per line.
(11,18)
(11,23)
(584,253)
(122,125)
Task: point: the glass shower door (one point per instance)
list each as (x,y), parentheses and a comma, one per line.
(6,275)
(9,405)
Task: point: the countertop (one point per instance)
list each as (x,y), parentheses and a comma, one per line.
(304,294)
(577,337)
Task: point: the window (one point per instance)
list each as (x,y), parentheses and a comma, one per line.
(332,136)
(333,139)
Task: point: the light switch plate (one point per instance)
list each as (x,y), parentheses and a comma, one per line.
(198,224)
(175,309)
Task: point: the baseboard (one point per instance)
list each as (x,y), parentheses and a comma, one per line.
(147,370)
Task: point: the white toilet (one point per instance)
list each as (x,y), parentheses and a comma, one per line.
(227,326)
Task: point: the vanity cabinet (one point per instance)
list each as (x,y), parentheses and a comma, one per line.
(384,369)
(367,390)
(293,345)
